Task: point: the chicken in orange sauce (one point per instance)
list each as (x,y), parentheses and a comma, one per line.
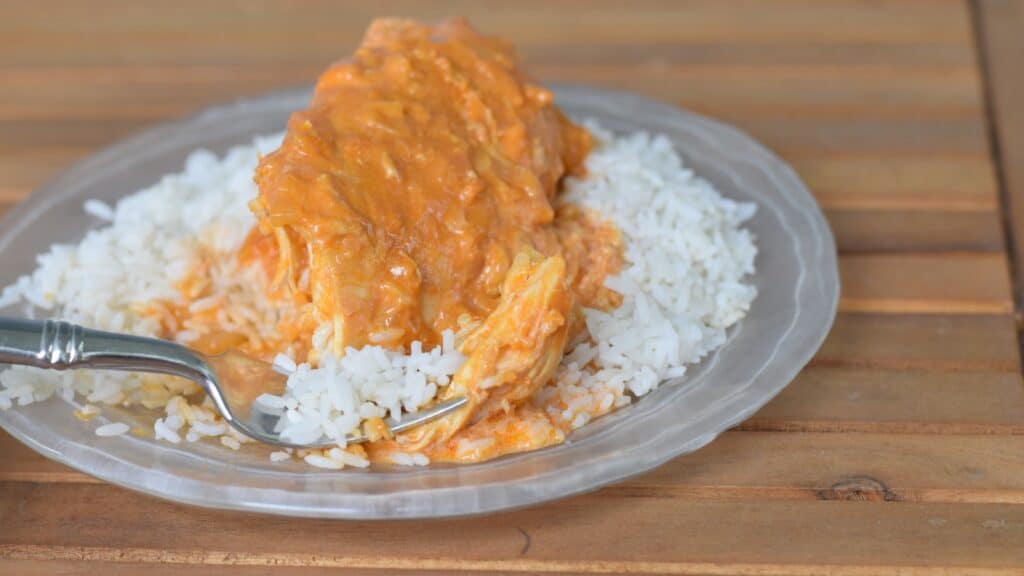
(418,193)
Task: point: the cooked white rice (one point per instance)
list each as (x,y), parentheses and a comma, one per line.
(334,398)
(112,429)
(684,283)
(687,258)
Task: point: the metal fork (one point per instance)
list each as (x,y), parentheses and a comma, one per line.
(232,379)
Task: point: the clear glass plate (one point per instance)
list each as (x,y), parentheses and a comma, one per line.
(797,279)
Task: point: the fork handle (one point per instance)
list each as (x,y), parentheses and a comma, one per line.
(60,345)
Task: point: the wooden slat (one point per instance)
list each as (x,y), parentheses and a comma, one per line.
(1002,45)
(747,90)
(21,464)
(820,400)
(258,567)
(794,136)
(21,171)
(790,137)
(145,93)
(77,567)
(823,399)
(905,182)
(804,466)
(821,92)
(726,53)
(759,466)
(32,135)
(932,342)
(320,31)
(922,283)
(598,532)
(915,231)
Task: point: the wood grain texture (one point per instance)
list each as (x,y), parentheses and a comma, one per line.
(1003,49)
(603,531)
(77,566)
(319,31)
(932,181)
(750,91)
(827,400)
(961,343)
(789,136)
(861,231)
(759,466)
(824,399)
(897,451)
(925,283)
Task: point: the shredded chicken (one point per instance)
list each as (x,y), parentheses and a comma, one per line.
(416,194)
(512,353)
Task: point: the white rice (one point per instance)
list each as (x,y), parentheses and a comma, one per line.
(684,283)
(112,429)
(280,456)
(154,240)
(414,459)
(230,442)
(687,258)
(323,462)
(164,432)
(335,397)
(347,458)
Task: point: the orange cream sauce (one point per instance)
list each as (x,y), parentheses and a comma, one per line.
(416,194)
(422,166)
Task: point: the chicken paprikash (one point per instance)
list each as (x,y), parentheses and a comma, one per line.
(418,193)
(430,231)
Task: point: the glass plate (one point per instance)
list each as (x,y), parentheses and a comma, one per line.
(797,279)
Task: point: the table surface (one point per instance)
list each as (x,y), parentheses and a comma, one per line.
(900,447)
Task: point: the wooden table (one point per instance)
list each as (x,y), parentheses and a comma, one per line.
(900,449)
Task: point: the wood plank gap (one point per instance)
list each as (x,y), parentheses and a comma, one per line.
(757,424)
(917,364)
(910,306)
(997,26)
(226,558)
